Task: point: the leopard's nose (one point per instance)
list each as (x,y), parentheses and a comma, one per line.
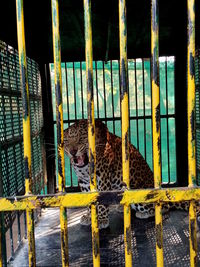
(73,152)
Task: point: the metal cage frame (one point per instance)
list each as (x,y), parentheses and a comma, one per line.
(157,195)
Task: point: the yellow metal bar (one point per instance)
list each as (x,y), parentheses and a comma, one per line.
(26,126)
(25,95)
(155,95)
(59,121)
(64,234)
(71,200)
(125,126)
(191,128)
(58,89)
(156,127)
(31,238)
(193,234)
(91,128)
(1,247)
(191,94)
(159,235)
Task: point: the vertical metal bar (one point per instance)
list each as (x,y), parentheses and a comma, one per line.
(59,120)
(144,106)
(129,121)
(104,93)
(156,127)
(91,128)
(97,91)
(113,112)
(136,105)
(191,127)
(25,225)
(26,125)
(191,94)
(167,112)
(1,247)
(125,125)
(58,88)
(3,256)
(74,80)
(19,237)
(11,237)
(82,99)
(68,114)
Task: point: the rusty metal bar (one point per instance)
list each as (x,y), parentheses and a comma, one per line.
(125,125)
(191,127)
(60,128)
(91,128)
(70,200)
(156,126)
(26,125)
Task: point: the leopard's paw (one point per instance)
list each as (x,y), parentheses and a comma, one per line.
(144,215)
(85,220)
(103,223)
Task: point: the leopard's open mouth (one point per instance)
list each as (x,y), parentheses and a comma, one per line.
(81,161)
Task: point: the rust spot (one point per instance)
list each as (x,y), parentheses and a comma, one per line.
(193,237)
(159,235)
(123,79)
(92,129)
(58,93)
(26,166)
(90,84)
(25,101)
(126,146)
(192,65)
(158,117)
(155,66)
(152,195)
(128,239)
(95,244)
(91,166)
(154,16)
(60,166)
(192,124)
(58,126)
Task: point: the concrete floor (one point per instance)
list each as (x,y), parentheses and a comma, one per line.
(47,235)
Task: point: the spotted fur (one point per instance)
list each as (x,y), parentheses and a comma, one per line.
(108,166)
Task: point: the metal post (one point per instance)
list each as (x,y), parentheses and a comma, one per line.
(125,125)
(156,127)
(60,135)
(191,127)
(26,125)
(91,128)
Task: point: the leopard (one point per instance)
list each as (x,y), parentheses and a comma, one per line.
(109,174)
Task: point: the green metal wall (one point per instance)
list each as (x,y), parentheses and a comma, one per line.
(107,105)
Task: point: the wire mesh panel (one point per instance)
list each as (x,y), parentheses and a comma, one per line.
(107,106)
(11,131)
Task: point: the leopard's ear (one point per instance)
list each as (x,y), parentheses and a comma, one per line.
(101,130)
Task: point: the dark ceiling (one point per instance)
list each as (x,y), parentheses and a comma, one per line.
(173,28)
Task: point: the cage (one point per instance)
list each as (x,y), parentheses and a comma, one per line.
(49,181)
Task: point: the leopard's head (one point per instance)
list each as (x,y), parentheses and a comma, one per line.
(76,141)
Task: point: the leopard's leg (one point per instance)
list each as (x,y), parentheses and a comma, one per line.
(145,211)
(103,184)
(103,218)
(85,218)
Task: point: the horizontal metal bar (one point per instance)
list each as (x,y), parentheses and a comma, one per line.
(131,118)
(15,140)
(113,197)
(9,92)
